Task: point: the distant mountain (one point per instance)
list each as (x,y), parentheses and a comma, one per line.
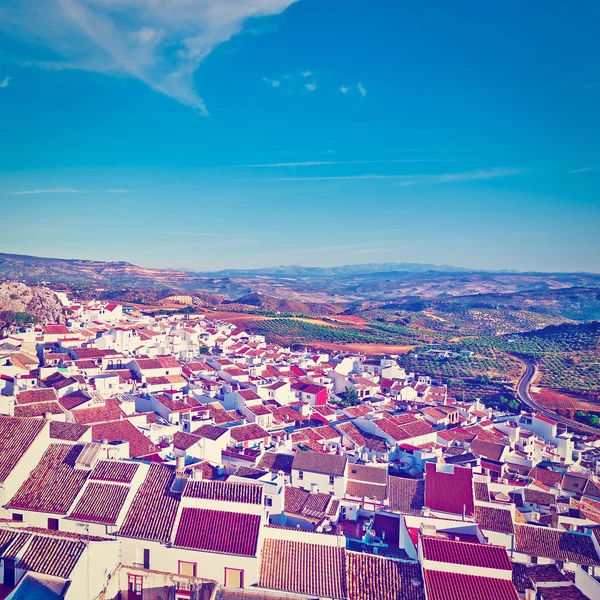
(286,271)
(345,285)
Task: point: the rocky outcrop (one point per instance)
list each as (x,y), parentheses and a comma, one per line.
(36,301)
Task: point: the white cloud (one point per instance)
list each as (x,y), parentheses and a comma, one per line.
(314,163)
(344,90)
(275,83)
(307,74)
(4,83)
(408,180)
(159,42)
(584,170)
(311,87)
(64,190)
(361,89)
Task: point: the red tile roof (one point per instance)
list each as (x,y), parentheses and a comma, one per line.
(38,395)
(441,585)
(465,553)
(124,431)
(210,432)
(110,411)
(100,503)
(556,544)
(55,556)
(302,568)
(494,519)
(326,464)
(457,479)
(246,433)
(225,491)
(16,436)
(218,531)
(54,483)
(115,471)
(406,495)
(376,578)
(38,409)
(152,513)
(70,432)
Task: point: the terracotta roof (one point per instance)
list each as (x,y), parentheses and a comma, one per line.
(302,568)
(124,431)
(246,433)
(372,491)
(70,432)
(546,573)
(16,436)
(110,411)
(276,461)
(457,479)
(406,495)
(482,493)
(487,449)
(368,473)
(218,531)
(225,491)
(184,441)
(54,483)
(73,400)
(326,464)
(375,578)
(56,556)
(465,553)
(441,585)
(100,503)
(39,395)
(152,513)
(210,432)
(38,409)
(494,519)
(538,497)
(308,504)
(115,471)
(555,544)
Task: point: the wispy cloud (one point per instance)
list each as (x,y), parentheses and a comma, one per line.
(361,89)
(306,73)
(64,190)
(464,176)
(160,43)
(407,180)
(584,170)
(344,90)
(4,83)
(311,87)
(318,163)
(209,234)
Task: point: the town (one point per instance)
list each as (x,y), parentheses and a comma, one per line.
(177,456)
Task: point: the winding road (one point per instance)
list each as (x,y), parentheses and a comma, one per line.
(525,397)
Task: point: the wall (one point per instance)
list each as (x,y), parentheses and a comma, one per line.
(338,488)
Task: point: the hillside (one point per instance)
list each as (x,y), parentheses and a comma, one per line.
(347,286)
(262,302)
(21,303)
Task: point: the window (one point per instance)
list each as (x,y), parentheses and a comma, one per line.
(331,480)
(53,524)
(17,517)
(146,558)
(268,501)
(234,578)
(187,568)
(135,586)
(300,475)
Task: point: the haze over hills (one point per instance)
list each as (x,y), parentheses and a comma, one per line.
(340,285)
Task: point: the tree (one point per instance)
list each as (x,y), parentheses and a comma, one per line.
(349,398)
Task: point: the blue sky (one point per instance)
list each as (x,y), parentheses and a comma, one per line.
(211,134)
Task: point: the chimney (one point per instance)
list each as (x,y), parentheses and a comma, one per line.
(104,441)
(47,415)
(197,474)
(180,463)
(314,488)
